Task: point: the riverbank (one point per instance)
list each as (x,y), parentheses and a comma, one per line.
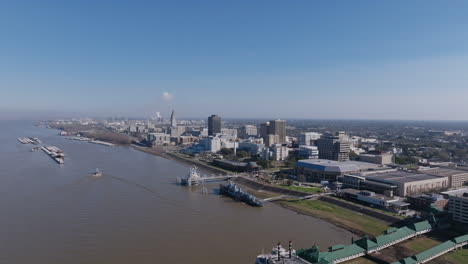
(352,221)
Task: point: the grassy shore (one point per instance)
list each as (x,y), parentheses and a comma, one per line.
(353,221)
(312,190)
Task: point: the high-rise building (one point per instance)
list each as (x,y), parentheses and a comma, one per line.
(334,147)
(264,129)
(278,127)
(214,125)
(173,119)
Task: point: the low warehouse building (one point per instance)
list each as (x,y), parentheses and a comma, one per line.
(316,170)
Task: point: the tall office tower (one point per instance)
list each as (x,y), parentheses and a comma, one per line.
(214,125)
(334,147)
(278,127)
(264,129)
(173,119)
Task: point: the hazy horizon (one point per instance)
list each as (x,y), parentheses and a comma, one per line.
(336,60)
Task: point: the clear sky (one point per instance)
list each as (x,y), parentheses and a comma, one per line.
(271,59)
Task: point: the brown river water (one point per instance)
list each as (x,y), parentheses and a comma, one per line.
(134,213)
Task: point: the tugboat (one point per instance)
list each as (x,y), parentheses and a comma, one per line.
(235,192)
(97,173)
(193,177)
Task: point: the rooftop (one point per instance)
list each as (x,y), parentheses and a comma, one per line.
(400,177)
(337,166)
(443,172)
(457,193)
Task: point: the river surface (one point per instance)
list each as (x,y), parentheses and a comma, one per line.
(134,213)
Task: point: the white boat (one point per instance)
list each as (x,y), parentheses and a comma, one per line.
(97,173)
(193,177)
(279,255)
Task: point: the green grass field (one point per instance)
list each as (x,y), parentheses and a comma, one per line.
(340,216)
(420,244)
(302,189)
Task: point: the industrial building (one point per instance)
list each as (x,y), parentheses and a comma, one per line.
(316,170)
(400,183)
(457,178)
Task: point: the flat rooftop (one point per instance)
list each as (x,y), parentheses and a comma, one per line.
(457,193)
(443,172)
(337,166)
(400,177)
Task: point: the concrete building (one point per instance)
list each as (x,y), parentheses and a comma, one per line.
(230,133)
(457,178)
(271,140)
(458,204)
(214,125)
(308,138)
(211,144)
(176,131)
(278,127)
(252,148)
(308,152)
(370,198)
(382,159)
(409,183)
(155,139)
(334,147)
(173,119)
(316,170)
(279,152)
(248,131)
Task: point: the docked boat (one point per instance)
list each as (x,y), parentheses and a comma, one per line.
(232,190)
(280,255)
(193,177)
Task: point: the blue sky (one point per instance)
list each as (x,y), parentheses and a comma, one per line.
(271,59)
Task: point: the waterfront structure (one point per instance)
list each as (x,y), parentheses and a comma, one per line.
(316,170)
(308,138)
(334,147)
(364,246)
(457,178)
(400,183)
(247,131)
(214,125)
(383,159)
(308,152)
(434,252)
(458,204)
(155,139)
(173,119)
(278,127)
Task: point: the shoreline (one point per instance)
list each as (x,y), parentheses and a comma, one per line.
(266,191)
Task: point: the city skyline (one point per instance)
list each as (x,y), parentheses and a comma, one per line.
(268,59)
